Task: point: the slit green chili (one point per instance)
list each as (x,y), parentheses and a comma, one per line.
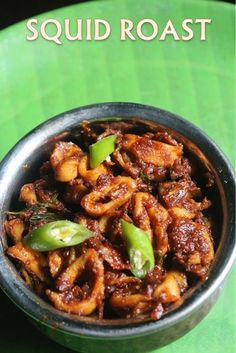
(56,235)
(100,150)
(139,248)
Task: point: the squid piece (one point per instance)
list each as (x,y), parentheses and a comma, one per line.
(105,249)
(91,224)
(172,287)
(34,261)
(48,195)
(189,209)
(109,195)
(120,280)
(178,197)
(180,169)
(123,159)
(67,301)
(129,305)
(75,190)
(55,261)
(71,303)
(113,256)
(154,277)
(67,278)
(113,225)
(153,218)
(28,194)
(128,140)
(165,137)
(127,301)
(127,295)
(64,160)
(15,229)
(63,150)
(172,193)
(157,153)
(66,170)
(90,175)
(192,245)
(103,223)
(170,290)
(140,212)
(160,221)
(60,258)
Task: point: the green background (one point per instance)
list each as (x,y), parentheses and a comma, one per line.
(194,79)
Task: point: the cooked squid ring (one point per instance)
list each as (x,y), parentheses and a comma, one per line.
(90,175)
(117,191)
(65,301)
(153,218)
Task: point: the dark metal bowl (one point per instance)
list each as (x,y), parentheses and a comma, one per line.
(87,335)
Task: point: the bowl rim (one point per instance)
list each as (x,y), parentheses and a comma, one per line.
(29,302)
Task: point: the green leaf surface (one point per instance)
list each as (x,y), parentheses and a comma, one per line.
(194,79)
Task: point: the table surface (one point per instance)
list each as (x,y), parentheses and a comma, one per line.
(194,79)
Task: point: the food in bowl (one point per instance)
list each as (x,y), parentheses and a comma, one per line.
(116,226)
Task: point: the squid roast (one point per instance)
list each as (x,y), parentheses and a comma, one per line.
(115,226)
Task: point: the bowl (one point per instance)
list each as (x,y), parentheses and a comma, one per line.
(88,335)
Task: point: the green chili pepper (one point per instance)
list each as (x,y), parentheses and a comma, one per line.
(100,150)
(57,234)
(140,249)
